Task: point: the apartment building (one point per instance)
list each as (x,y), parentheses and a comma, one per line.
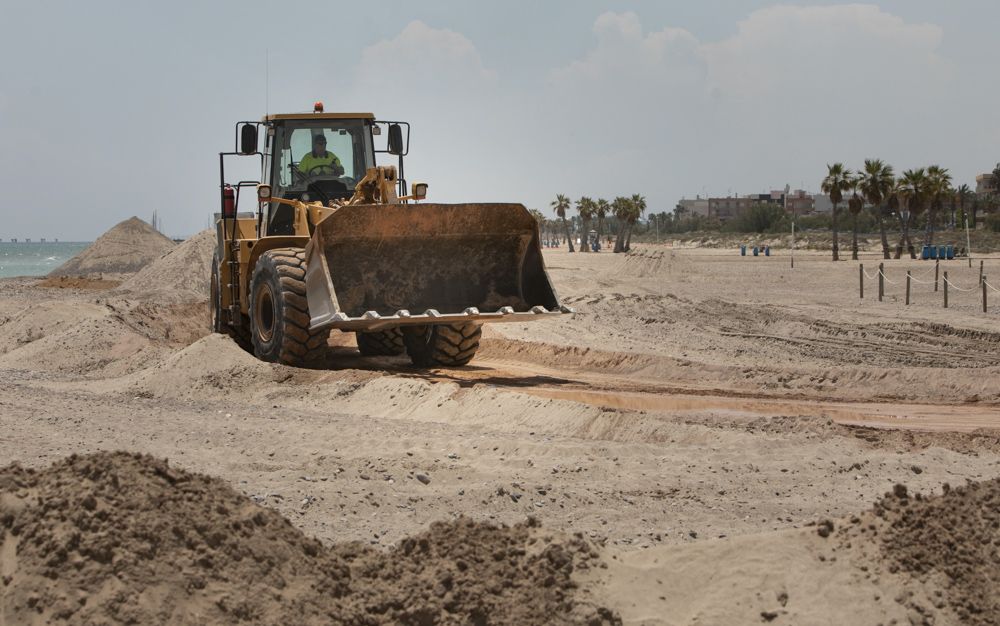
(984,184)
(799,202)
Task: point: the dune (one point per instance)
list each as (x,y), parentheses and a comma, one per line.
(127,247)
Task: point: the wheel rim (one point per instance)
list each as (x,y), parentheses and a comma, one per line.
(264,313)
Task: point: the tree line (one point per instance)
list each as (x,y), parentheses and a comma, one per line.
(873,195)
(925,192)
(623,211)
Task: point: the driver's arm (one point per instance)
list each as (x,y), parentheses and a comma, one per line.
(338,169)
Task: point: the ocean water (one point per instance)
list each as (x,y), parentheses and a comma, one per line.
(35,258)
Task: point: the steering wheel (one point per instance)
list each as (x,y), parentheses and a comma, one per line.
(320,170)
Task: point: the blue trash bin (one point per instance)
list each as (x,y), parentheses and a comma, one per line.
(743,249)
(767,250)
(755,251)
(942,252)
(950,252)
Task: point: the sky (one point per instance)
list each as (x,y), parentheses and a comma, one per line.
(114,109)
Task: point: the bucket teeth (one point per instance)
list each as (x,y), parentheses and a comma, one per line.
(539,309)
(372,315)
(472,311)
(402,313)
(341,317)
(506,310)
(432,313)
(565,309)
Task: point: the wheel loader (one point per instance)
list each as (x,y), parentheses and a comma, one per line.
(335,242)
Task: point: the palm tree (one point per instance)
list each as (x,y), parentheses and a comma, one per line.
(938,186)
(560,204)
(854,205)
(621,207)
(587,209)
(912,192)
(963,194)
(603,207)
(637,207)
(539,218)
(977,205)
(876,185)
(834,185)
(893,204)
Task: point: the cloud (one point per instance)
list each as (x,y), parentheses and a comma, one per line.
(829,48)
(435,78)
(423,59)
(747,112)
(663,113)
(625,57)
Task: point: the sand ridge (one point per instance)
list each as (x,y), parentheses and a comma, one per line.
(125,248)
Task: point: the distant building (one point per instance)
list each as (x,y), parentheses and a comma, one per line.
(698,206)
(728,208)
(984,184)
(822,203)
(799,202)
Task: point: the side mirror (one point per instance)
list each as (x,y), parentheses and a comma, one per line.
(395,139)
(418,191)
(248,139)
(263,193)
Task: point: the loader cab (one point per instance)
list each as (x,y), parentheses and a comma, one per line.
(297,166)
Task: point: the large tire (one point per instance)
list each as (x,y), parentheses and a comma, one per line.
(279,311)
(220,317)
(451,345)
(387,342)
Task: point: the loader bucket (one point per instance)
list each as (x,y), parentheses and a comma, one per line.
(377,266)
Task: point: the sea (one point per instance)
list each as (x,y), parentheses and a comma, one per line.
(36,258)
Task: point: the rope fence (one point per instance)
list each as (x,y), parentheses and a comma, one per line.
(945,283)
(954,286)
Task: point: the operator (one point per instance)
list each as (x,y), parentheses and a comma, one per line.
(319,161)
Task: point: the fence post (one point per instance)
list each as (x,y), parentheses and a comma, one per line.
(861,280)
(984,293)
(907,287)
(946,289)
(937,266)
(881,281)
(980,270)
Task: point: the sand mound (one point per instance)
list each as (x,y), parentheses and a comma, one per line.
(122,538)
(128,247)
(181,275)
(954,538)
(78,282)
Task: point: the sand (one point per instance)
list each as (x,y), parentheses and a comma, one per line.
(696,419)
(122,538)
(180,275)
(124,249)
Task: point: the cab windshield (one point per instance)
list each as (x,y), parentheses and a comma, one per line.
(320,160)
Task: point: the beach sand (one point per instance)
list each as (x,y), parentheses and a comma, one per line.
(698,421)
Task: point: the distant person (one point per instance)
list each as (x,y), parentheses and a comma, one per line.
(320,162)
